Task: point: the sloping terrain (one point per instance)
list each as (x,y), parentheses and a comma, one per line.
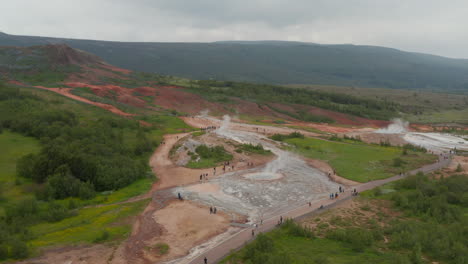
(276,62)
(86,78)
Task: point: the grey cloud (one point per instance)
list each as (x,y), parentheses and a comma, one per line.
(431,26)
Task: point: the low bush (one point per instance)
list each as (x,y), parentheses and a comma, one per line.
(258,149)
(280,137)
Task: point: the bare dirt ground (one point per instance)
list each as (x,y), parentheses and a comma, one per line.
(185,225)
(452,168)
(376,138)
(463,161)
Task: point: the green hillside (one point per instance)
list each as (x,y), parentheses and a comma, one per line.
(277,62)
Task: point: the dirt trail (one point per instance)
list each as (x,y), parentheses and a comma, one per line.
(67,92)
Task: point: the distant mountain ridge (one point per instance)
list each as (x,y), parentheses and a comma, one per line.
(276,62)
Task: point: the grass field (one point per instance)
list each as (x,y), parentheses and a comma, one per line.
(442,116)
(301,250)
(360,162)
(13,146)
(203,164)
(87,226)
(431,107)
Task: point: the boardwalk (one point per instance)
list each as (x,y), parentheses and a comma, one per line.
(217,253)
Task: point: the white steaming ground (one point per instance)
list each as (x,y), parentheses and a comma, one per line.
(396,127)
(436,141)
(262,193)
(432,141)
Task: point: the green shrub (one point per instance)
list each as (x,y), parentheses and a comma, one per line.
(3,251)
(414,148)
(280,137)
(18,249)
(205,157)
(253,149)
(102,237)
(295,229)
(321,260)
(398,162)
(358,239)
(162,248)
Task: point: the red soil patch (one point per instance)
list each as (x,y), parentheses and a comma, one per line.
(420,127)
(146,91)
(144,123)
(94,74)
(15,82)
(174,98)
(116,69)
(66,92)
(121,94)
(340,118)
(255,109)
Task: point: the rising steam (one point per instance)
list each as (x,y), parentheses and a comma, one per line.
(397,126)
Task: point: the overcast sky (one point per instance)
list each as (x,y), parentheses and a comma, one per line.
(429,26)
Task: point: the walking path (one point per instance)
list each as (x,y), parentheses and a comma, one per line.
(236,241)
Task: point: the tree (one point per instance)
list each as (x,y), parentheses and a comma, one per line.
(18,250)
(3,251)
(25,166)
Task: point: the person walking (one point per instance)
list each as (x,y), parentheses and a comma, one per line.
(206,260)
(211,210)
(253,233)
(215,210)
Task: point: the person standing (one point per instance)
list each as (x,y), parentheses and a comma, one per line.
(206,260)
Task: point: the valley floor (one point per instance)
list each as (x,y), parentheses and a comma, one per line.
(185,231)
